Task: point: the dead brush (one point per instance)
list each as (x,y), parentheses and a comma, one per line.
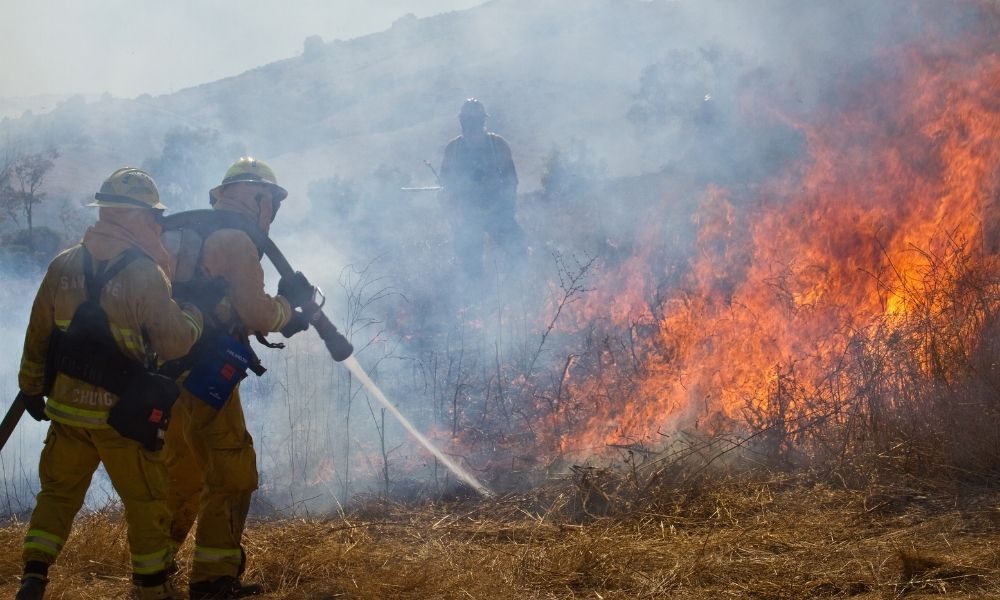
(937,368)
(755,534)
(921,571)
(915,391)
(95,562)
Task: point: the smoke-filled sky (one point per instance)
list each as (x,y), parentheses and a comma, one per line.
(129,48)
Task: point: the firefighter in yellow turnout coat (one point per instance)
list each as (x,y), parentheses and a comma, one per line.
(142,320)
(209,453)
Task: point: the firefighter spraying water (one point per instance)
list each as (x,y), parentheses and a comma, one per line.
(338,346)
(210,457)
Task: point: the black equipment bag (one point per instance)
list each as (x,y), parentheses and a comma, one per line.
(87,351)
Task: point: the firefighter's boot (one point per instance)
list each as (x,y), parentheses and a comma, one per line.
(164,591)
(155,586)
(36,575)
(31,589)
(222,588)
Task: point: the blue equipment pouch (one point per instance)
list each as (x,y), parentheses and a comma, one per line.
(222,364)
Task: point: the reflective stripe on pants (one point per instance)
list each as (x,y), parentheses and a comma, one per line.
(43,541)
(225,555)
(68,461)
(154,562)
(213,472)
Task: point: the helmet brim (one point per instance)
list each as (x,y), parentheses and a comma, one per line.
(279,193)
(110,201)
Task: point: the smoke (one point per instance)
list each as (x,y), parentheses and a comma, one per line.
(622,116)
(17,462)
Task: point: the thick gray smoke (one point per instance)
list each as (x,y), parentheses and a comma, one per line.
(619,114)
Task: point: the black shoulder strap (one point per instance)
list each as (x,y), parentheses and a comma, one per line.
(95,281)
(207,222)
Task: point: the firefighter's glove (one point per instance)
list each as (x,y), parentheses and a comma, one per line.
(35,405)
(296,288)
(205,294)
(297,323)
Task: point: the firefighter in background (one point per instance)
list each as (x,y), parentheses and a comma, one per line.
(210,458)
(480,190)
(120,268)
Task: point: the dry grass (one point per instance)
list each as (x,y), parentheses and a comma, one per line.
(735,537)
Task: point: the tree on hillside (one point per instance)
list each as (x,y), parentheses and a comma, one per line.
(363,211)
(313,48)
(384,187)
(191,163)
(43,242)
(75,217)
(339,196)
(697,110)
(66,126)
(571,173)
(6,167)
(22,184)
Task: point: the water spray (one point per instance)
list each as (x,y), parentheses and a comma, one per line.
(340,349)
(354,367)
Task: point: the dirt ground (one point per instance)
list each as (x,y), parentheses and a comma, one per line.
(780,537)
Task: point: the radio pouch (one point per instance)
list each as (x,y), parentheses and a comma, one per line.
(142,412)
(222,363)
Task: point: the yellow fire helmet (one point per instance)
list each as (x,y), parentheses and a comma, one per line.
(129,187)
(251,170)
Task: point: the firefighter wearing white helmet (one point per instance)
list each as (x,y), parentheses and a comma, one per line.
(211,462)
(480,187)
(96,301)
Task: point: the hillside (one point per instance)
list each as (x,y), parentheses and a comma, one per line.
(549,72)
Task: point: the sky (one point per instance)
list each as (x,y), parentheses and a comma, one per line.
(133,47)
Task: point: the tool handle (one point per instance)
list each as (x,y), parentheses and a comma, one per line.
(10,421)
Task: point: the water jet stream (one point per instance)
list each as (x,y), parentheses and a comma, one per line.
(355,368)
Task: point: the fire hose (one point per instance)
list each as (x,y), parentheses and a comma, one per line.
(210,220)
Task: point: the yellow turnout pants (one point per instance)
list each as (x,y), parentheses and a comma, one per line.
(212,472)
(68,461)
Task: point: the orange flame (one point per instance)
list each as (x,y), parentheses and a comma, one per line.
(780,283)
